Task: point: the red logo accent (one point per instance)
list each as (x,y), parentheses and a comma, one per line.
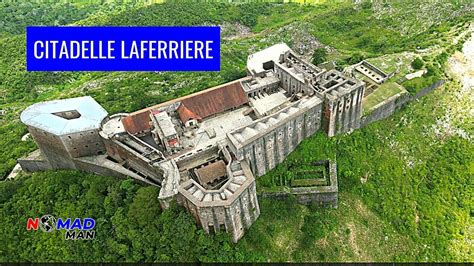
(32,224)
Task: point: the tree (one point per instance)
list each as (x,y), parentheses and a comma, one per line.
(417,63)
(355,58)
(319,56)
(145,208)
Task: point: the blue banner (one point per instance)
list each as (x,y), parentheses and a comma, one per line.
(72,48)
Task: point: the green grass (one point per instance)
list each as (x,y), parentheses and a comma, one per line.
(389,63)
(385,91)
(307,182)
(297,233)
(413,86)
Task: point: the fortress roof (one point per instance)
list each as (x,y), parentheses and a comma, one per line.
(211,172)
(140,120)
(137,123)
(255,61)
(66,116)
(212,102)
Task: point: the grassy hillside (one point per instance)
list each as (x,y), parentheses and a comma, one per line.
(406,182)
(19,14)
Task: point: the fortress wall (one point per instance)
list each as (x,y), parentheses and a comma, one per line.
(190,207)
(321,195)
(342,114)
(60,150)
(52,148)
(264,153)
(269,88)
(312,121)
(243,212)
(357,107)
(170,182)
(97,167)
(234,217)
(34,165)
(328,117)
(324,199)
(34,162)
(386,108)
(112,150)
(394,103)
(84,143)
(428,89)
(188,160)
(66,151)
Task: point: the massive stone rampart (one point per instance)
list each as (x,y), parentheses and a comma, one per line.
(394,103)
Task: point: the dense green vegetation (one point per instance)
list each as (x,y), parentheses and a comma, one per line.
(186,13)
(417,63)
(319,56)
(129,223)
(17,15)
(417,84)
(405,189)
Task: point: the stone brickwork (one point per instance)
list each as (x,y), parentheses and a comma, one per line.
(232,208)
(342,103)
(34,162)
(131,158)
(65,129)
(268,141)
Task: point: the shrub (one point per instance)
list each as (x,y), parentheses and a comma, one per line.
(319,56)
(355,58)
(417,63)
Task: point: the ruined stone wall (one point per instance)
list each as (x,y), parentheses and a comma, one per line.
(343,114)
(321,195)
(394,103)
(324,199)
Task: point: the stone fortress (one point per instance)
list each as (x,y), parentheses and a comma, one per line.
(204,150)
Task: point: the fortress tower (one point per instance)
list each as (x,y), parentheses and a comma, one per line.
(65,129)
